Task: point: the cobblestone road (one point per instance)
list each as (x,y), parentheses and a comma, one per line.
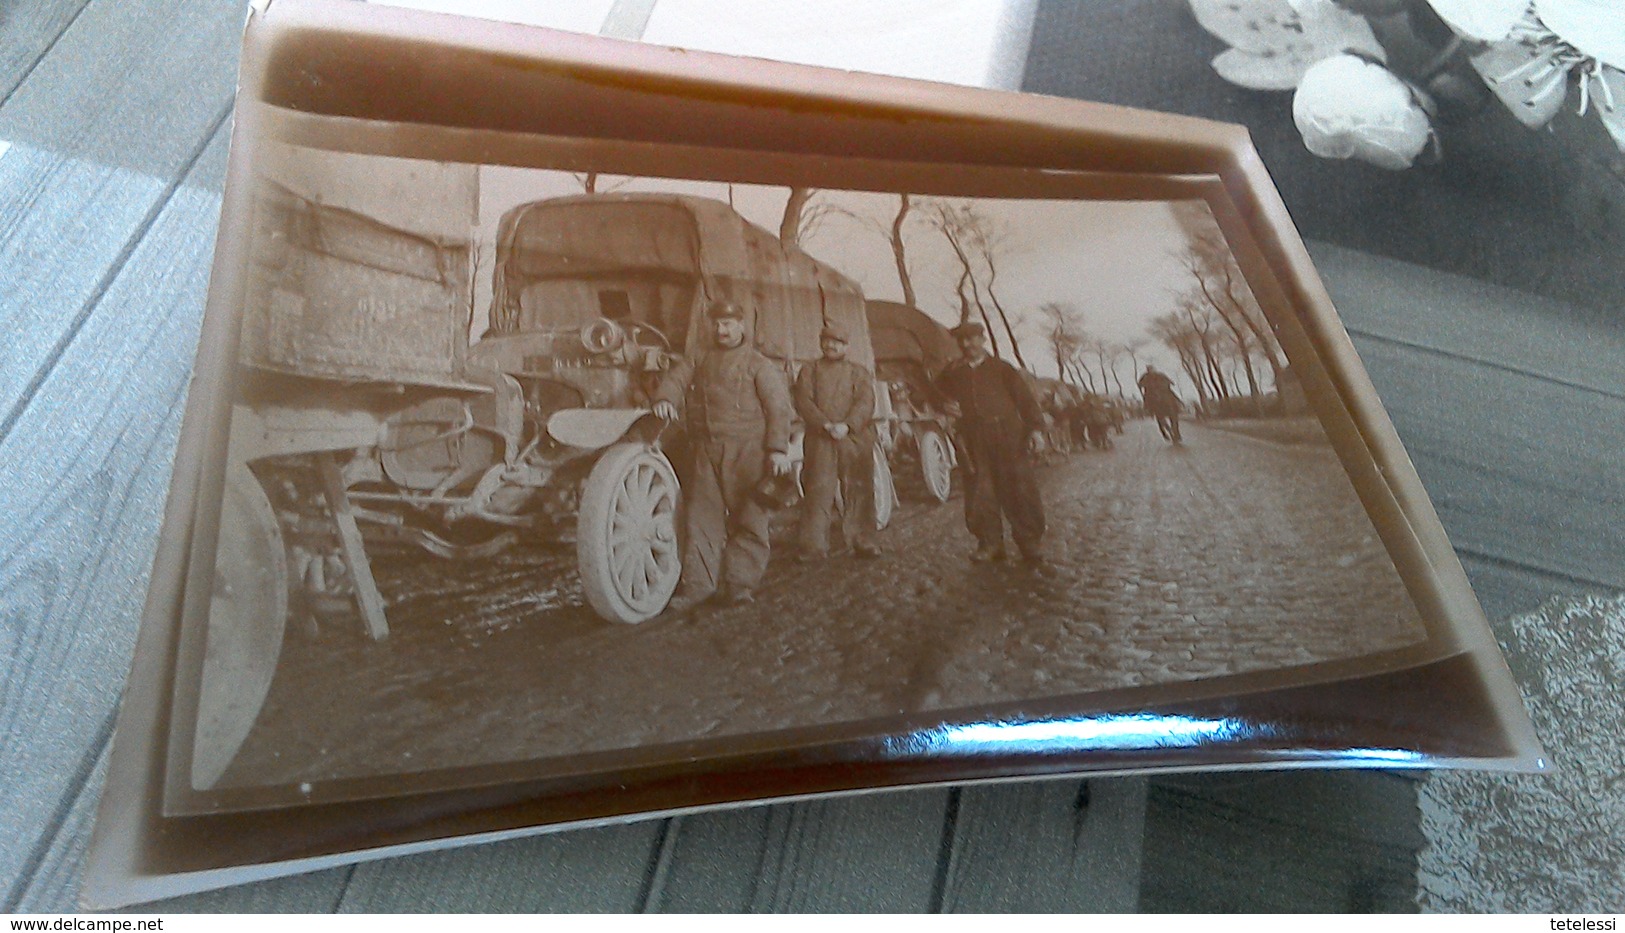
(1221,556)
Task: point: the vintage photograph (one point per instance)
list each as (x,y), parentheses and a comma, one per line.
(527,464)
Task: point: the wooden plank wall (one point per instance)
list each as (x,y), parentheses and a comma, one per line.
(108,203)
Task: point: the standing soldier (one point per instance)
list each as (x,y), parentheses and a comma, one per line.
(836,400)
(1001,426)
(738,416)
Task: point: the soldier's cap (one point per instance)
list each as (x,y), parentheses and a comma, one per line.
(831,332)
(967,331)
(726,309)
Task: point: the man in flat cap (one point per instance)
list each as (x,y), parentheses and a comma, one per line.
(836,400)
(736,404)
(1000,426)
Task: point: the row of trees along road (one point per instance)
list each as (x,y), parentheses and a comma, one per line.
(1216,328)
(976,239)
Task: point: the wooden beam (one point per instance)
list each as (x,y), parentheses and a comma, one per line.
(369,602)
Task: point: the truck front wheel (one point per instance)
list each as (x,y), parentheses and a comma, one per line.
(626,533)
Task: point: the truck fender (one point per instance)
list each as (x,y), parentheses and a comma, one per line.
(597,428)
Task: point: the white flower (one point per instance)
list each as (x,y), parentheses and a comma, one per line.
(1347,107)
(1554,46)
(1481,20)
(1595,28)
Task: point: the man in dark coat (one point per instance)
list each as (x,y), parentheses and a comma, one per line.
(836,400)
(738,413)
(1161,402)
(1000,425)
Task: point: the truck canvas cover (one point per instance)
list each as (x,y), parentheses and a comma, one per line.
(333,293)
(664,239)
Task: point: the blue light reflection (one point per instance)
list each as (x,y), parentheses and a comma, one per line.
(1123,732)
(1111,732)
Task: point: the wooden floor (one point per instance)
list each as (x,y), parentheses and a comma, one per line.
(117,125)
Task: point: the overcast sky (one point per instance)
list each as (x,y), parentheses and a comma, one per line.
(1114,261)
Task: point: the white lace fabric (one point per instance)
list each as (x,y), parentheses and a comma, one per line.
(1552,843)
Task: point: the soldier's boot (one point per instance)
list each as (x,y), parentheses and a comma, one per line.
(987,553)
(866,550)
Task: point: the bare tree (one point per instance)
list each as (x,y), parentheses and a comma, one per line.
(990,239)
(945,218)
(1217,282)
(1116,352)
(1063,330)
(1133,348)
(976,242)
(891,230)
(589,183)
(1102,351)
(1177,333)
(794,206)
(897,249)
(1202,323)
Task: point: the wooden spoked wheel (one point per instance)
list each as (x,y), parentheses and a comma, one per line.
(936,465)
(626,533)
(885,490)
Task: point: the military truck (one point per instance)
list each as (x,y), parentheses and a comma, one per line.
(366,415)
(910,349)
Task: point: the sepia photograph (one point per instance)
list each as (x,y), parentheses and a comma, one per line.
(525,465)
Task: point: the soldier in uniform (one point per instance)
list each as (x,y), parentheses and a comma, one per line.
(738,414)
(1000,425)
(836,400)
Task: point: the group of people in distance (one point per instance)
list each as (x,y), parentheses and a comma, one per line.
(739,410)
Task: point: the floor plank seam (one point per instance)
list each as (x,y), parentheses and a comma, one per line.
(43,55)
(1507,563)
(947,854)
(654,889)
(77,786)
(108,278)
(1490,364)
(1080,819)
(1240,815)
(344,889)
(1547,484)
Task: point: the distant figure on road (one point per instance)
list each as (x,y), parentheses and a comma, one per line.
(1002,428)
(738,416)
(1097,422)
(1161,403)
(836,400)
